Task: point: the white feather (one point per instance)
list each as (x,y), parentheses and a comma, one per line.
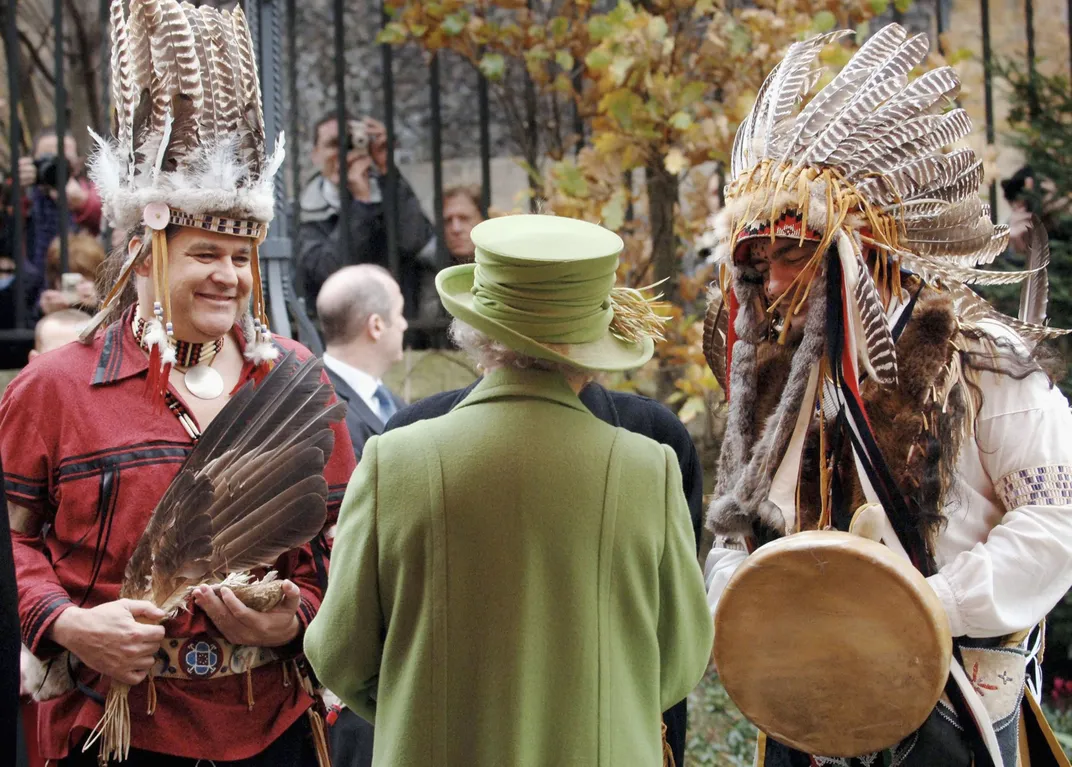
(155,335)
(278,155)
(107,167)
(165,137)
(850,275)
(261,352)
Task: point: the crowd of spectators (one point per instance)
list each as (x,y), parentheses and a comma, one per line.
(48,287)
(363,172)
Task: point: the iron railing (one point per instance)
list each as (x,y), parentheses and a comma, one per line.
(274,27)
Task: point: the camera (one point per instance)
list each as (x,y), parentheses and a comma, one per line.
(358,136)
(47,167)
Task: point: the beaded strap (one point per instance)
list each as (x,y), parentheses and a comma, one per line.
(210,223)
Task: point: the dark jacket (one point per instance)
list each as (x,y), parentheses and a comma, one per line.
(361,421)
(320,233)
(634,413)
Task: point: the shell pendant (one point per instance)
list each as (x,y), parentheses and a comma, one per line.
(203,382)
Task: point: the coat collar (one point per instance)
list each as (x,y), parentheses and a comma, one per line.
(354,400)
(528,384)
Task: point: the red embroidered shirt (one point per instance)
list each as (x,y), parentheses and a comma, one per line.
(84,452)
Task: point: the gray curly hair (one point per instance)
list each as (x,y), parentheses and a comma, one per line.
(488,353)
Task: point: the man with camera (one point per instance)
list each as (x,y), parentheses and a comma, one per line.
(39,175)
(363,172)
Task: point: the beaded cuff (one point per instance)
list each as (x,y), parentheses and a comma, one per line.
(1039,486)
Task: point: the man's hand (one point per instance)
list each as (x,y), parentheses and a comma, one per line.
(76,195)
(109,638)
(241,625)
(357,175)
(53,301)
(27,172)
(377,139)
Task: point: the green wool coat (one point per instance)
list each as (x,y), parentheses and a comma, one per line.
(514,584)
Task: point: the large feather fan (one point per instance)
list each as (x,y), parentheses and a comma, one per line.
(252,489)
(188,125)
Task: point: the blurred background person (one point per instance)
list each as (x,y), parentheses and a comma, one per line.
(77,287)
(39,175)
(361,310)
(363,172)
(58,329)
(461,212)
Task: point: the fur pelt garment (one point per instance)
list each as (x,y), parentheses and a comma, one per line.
(918,438)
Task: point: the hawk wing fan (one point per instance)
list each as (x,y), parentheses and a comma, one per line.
(251,489)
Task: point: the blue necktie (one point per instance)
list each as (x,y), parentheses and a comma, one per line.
(386,402)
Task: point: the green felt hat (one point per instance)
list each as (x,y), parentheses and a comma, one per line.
(540,280)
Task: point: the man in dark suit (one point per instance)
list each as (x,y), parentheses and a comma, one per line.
(360,310)
(634,413)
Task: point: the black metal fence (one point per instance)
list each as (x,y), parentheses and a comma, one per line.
(273,25)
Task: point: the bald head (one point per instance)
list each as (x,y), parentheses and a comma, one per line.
(58,328)
(350,297)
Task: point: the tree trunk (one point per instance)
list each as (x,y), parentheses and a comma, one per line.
(662,200)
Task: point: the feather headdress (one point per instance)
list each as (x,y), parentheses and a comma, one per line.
(252,489)
(189,130)
(863,171)
(863,166)
(189,145)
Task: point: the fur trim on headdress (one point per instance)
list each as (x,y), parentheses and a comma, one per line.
(213,181)
(746,470)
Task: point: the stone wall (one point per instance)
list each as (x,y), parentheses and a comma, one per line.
(1009,41)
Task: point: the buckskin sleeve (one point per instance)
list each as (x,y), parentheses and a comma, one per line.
(1009,581)
(26,457)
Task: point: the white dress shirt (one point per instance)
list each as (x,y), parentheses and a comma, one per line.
(1005,552)
(358,380)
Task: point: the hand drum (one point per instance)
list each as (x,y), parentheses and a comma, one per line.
(832,644)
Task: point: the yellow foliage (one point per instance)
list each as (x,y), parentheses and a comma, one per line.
(667,89)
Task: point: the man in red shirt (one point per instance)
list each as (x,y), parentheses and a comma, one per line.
(87,455)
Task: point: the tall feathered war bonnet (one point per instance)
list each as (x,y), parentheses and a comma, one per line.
(863,169)
(189,149)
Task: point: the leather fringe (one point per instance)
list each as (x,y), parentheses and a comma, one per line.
(249,688)
(151,707)
(320,738)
